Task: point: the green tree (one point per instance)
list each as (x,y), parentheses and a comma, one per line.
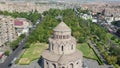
(7,53)
(112,59)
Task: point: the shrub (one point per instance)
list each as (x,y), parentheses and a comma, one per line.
(7,53)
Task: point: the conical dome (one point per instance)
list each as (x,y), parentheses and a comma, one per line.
(62,27)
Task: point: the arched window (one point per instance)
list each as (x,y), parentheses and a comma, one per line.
(71,65)
(54,66)
(47,65)
(77,62)
(52,47)
(49,46)
(72,47)
(62,48)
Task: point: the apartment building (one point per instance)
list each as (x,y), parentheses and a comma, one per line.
(7,30)
(22,26)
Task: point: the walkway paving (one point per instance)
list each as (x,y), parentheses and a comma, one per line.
(94,64)
(89,63)
(33,64)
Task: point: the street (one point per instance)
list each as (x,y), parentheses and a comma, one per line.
(12,56)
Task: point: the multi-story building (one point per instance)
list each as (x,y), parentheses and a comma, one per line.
(7,30)
(22,26)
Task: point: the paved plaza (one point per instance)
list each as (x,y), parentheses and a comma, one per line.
(33,64)
(88,63)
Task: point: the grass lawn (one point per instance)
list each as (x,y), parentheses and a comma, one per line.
(87,51)
(32,53)
(109,35)
(116,40)
(35,50)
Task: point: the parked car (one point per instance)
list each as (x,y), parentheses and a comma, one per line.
(13,61)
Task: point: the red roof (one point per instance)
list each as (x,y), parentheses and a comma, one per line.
(18,23)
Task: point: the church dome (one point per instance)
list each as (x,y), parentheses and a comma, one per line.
(62,27)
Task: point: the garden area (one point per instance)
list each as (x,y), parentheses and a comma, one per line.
(32,53)
(87,51)
(35,50)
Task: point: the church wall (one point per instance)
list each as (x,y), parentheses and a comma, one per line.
(74,64)
(62,46)
(61,35)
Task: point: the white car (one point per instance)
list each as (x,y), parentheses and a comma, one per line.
(13,60)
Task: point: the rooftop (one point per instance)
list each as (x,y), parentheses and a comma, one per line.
(62,59)
(62,27)
(18,23)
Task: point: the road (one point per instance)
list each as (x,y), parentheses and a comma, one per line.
(114,30)
(17,51)
(12,56)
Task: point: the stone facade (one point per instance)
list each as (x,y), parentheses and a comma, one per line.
(62,52)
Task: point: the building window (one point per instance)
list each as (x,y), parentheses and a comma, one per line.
(72,47)
(54,66)
(71,65)
(77,63)
(49,46)
(54,36)
(52,47)
(47,64)
(62,48)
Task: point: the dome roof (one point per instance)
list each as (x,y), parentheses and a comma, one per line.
(62,27)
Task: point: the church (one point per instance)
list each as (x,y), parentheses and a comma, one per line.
(62,52)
